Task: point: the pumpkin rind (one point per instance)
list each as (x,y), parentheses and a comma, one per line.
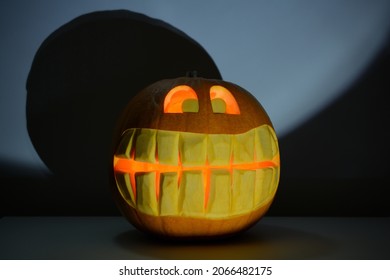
(194,205)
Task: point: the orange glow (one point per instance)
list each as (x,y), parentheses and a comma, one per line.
(132,167)
(173,102)
(224,94)
(206,183)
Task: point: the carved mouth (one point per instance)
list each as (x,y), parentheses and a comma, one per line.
(169,173)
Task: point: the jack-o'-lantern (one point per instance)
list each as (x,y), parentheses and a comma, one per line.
(195,158)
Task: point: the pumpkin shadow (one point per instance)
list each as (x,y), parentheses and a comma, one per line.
(82,77)
(262,242)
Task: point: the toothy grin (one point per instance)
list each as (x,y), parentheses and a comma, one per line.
(169,173)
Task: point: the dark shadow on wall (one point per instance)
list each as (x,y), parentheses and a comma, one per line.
(81,78)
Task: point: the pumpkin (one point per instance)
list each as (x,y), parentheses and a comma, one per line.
(195,158)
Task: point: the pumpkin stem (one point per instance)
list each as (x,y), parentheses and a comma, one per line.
(192,74)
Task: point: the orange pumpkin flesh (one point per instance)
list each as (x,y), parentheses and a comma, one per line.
(195,158)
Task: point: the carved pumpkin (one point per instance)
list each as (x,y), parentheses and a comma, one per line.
(195,158)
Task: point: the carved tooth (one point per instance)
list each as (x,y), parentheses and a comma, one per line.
(146,193)
(265,185)
(243,147)
(266,143)
(242,191)
(145,146)
(219,149)
(124,186)
(193,149)
(191,195)
(126,143)
(167,147)
(275,181)
(220,191)
(169,194)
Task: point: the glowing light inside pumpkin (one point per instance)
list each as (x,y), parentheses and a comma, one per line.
(181,99)
(168,173)
(133,167)
(229,104)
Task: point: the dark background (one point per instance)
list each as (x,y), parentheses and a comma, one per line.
(333,164)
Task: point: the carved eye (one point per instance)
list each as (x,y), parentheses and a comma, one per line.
(222,101)
(181,99)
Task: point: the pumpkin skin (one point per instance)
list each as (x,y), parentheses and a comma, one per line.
(199,166)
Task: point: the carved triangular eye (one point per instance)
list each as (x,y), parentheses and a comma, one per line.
(181,99)
(223,101)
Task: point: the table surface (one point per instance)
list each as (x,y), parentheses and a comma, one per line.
(271,238)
